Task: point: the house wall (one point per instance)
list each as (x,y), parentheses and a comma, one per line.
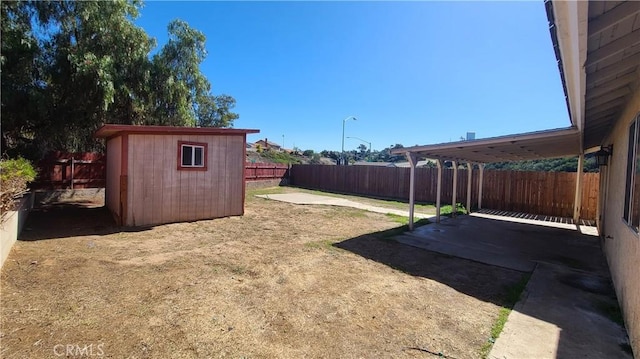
(621,243)
(114,163)
(160,193)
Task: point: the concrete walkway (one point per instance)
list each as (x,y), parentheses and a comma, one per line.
(306,198)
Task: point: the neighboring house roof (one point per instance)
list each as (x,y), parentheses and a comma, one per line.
(110,130)
(598,52)
(269,143)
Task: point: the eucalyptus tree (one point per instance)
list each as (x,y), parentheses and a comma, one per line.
(70,66)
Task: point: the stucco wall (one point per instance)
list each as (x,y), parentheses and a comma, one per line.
(621,243)
(160,193)
(11,224)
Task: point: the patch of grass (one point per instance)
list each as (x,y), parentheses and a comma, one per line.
(346,212)
(511,298)
(261,191)
(323,244)
(280,157)
(611,310)
(447,210)
(405,225)
(399,219)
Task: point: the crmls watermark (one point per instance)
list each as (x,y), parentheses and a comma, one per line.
(79,350)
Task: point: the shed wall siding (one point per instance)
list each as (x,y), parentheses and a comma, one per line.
(621,243)
(114,159)
(160,193)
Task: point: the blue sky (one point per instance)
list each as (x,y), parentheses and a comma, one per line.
(411,72)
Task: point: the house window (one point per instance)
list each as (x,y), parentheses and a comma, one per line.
(631,211)
(192,156)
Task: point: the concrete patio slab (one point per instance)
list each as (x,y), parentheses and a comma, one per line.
(509,244)
(307,198)
(562,312)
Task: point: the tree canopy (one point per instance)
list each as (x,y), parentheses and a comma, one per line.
(69,67)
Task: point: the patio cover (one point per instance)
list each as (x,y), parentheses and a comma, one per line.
(525,146)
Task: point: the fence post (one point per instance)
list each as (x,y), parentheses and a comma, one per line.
(72,170)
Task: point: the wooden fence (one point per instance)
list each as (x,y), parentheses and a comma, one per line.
(265,171)
(61,170)
(544,193)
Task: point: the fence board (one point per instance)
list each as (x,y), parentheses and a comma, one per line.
(264,171)
(544,193)
(61,170)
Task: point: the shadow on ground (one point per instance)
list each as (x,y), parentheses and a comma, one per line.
(569,304)
(469,277)
(70,219)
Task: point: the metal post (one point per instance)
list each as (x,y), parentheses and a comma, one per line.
(343,122)
(412,180)
(455,189)
(438,190)
(469,180)
(480,178)
(578,195)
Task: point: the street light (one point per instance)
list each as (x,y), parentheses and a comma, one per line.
(364,141)
(343,122)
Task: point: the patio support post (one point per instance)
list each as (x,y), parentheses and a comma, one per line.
(578,198)
(438,190)
(480,178)
(454,189)
(411,157)
(469,178)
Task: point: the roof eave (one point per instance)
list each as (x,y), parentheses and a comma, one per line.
(110,130)
(568,26)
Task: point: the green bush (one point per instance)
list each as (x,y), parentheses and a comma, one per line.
(14,176)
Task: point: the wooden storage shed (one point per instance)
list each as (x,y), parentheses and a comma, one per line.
(163,174)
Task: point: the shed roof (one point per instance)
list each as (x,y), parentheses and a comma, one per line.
(110,130)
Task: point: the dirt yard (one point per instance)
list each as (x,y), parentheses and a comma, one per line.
(283,281)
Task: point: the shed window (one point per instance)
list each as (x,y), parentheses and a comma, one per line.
(192,156)
(631,211)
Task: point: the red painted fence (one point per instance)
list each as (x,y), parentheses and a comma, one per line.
(62,170)
(265,171)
